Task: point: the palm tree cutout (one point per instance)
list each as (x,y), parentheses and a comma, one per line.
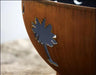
(44,36)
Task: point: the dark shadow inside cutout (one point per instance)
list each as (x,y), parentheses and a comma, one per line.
(89,3)
(23,8)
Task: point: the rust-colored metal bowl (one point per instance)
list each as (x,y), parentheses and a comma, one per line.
(73,51)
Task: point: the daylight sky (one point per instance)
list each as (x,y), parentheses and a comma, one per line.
(12,25)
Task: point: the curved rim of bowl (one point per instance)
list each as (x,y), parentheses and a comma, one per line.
(60,4)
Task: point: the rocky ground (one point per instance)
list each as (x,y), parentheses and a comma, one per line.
(20,58)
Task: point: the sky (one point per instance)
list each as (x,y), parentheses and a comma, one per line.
(12,24)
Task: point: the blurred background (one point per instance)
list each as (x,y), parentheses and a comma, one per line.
(12,25)
(18,55)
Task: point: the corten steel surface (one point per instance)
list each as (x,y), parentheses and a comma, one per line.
(75,27)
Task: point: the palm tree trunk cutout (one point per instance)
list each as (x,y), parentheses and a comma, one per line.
(49,57)
(44,36)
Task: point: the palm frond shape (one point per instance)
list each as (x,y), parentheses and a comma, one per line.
(44,36)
